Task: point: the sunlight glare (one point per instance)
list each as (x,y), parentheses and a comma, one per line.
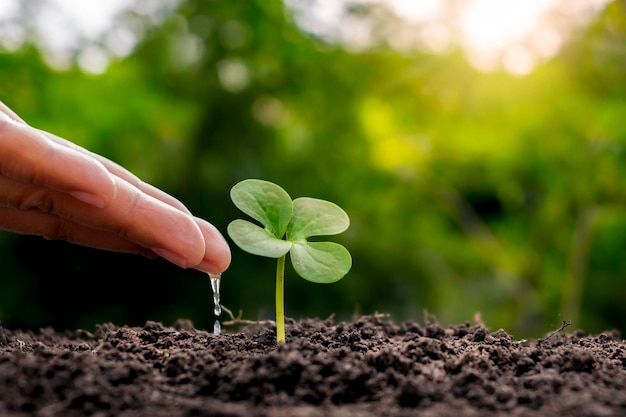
(418,11)
(494,34)
(494,24)
(519,60)
(91,19)
(493,28)
(491,31)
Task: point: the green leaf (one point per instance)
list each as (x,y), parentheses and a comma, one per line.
(320,262)
(314,217)
(265,202)
(256,240)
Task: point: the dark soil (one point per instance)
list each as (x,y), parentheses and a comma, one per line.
(369,367)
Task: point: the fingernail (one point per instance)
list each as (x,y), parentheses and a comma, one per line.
(171,256)
(208,267)
(91,199)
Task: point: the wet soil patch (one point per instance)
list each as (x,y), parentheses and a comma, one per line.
(367,367)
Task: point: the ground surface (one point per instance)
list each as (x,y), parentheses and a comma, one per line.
(369,367)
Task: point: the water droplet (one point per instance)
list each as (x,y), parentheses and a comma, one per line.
(217,328)
(215,286)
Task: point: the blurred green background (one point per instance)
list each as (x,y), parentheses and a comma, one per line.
(468,190)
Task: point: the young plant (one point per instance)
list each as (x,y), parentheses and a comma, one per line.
(286,226)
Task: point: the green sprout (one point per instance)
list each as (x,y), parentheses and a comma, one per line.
(286,226)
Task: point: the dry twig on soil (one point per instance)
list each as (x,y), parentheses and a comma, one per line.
(564,324)
(238,320)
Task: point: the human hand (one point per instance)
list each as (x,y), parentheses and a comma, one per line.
(53,188)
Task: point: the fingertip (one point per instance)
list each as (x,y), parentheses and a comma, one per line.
(217,255)
(189,247)
(173,257)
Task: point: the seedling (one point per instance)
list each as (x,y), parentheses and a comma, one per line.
(287,224)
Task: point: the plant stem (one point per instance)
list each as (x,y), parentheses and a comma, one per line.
(280,300)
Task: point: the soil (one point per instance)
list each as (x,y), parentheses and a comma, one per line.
(367,367)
